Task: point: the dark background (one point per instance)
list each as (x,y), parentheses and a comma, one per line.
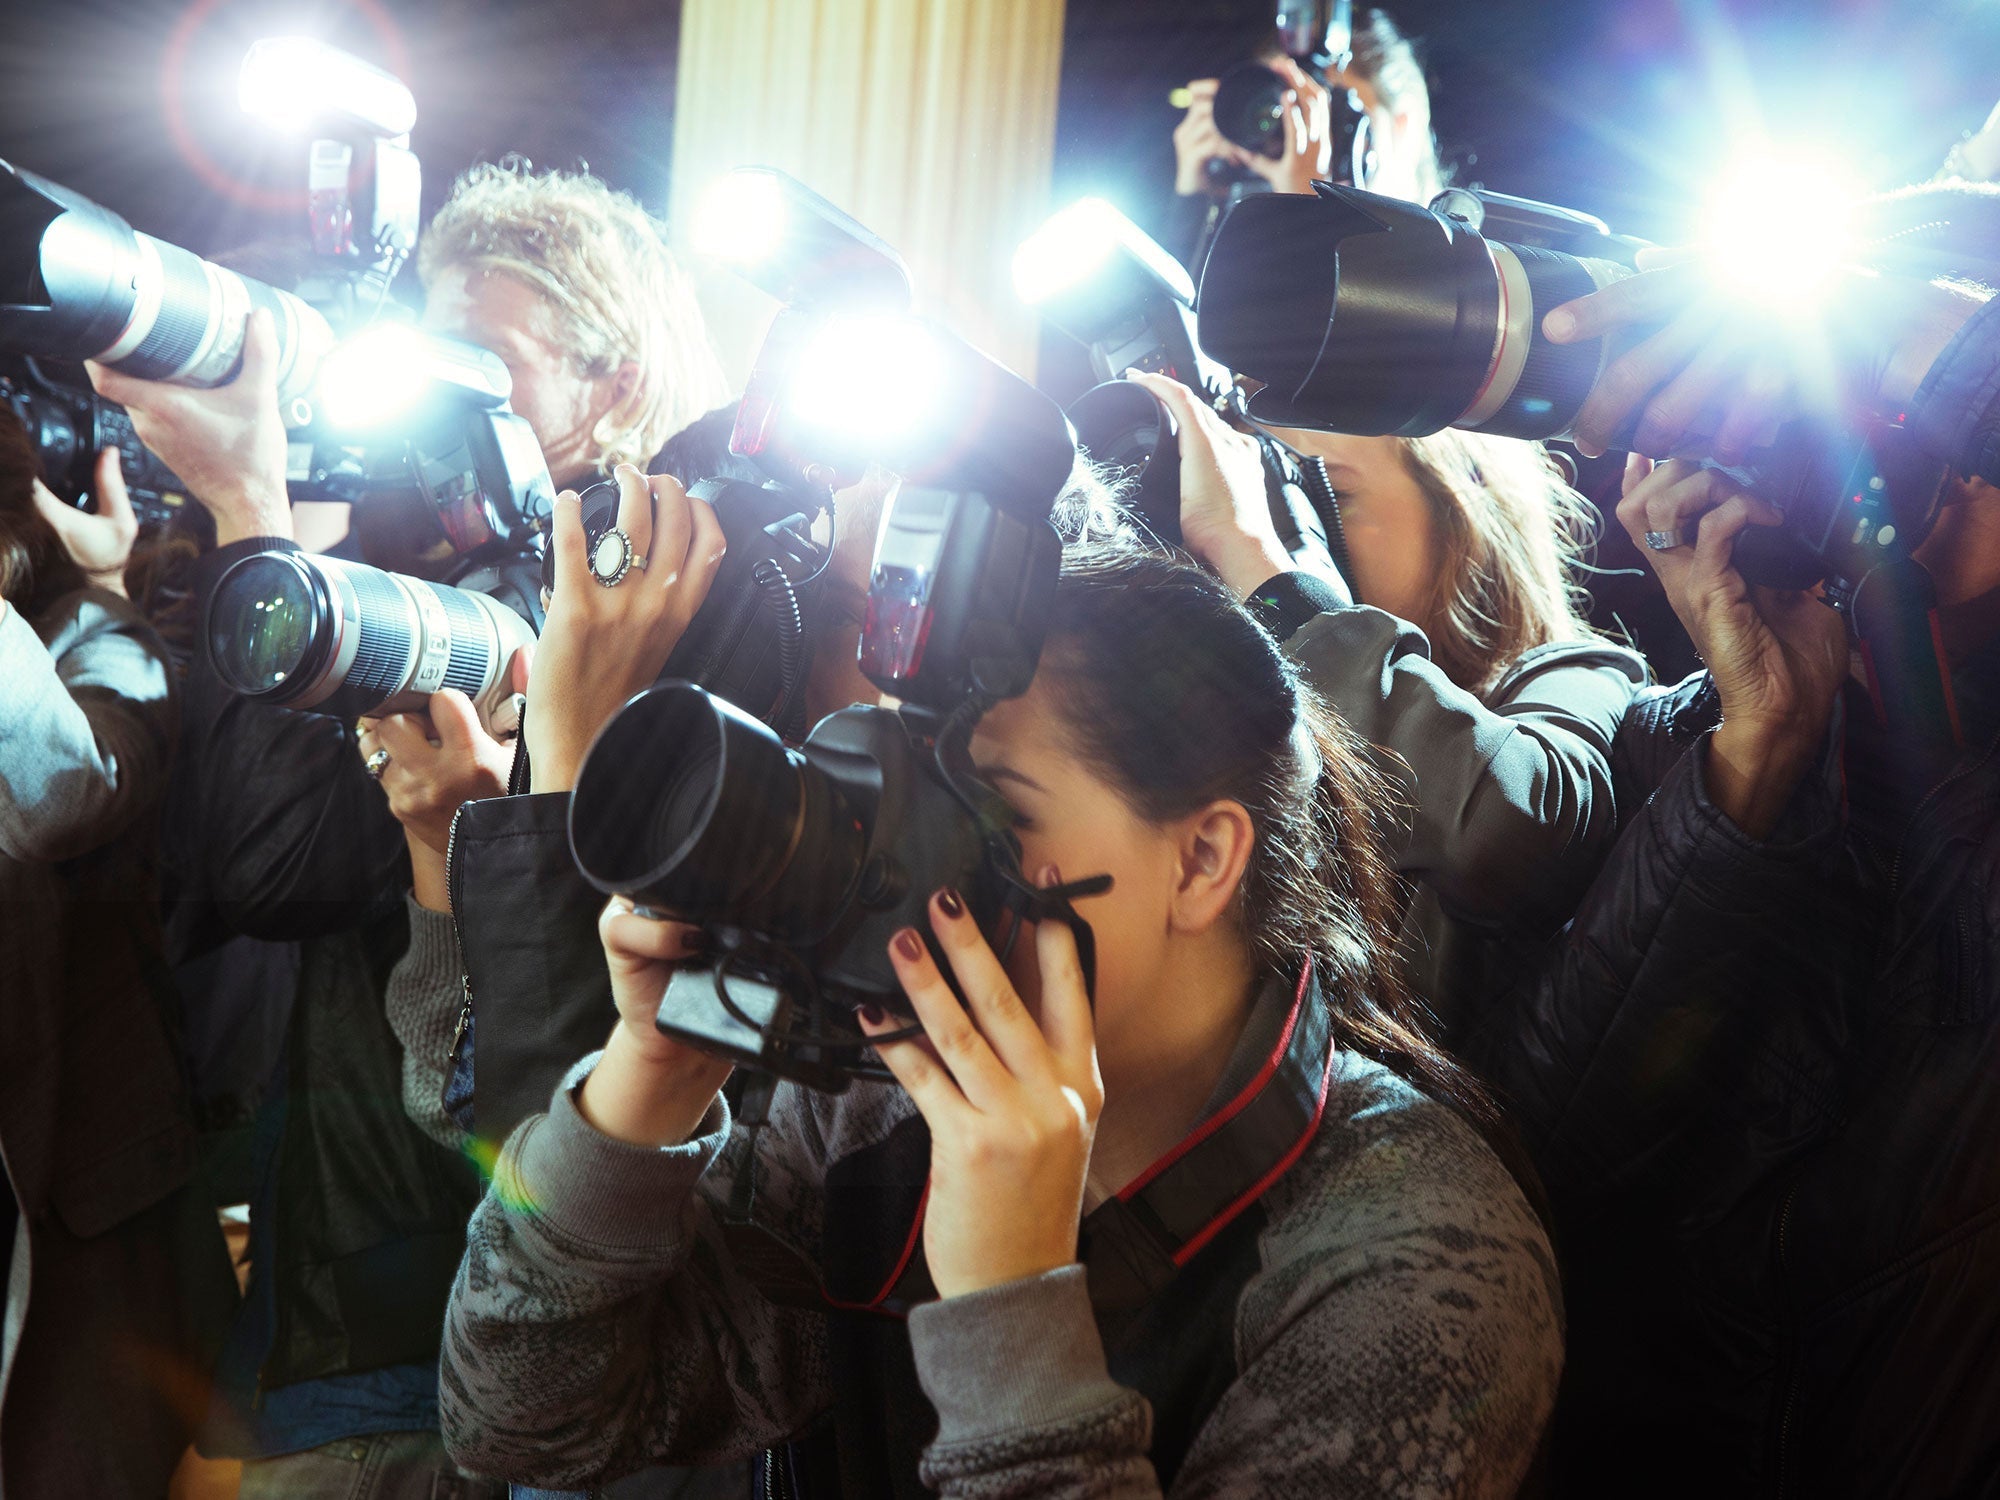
(1615,106)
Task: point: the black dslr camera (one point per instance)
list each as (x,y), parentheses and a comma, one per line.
(1318,35)
(801,863)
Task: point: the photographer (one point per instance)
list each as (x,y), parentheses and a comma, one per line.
(1759,1076)
(112,1272)
(1460,657)
(1378,1314)
(1387,83)
(277,831)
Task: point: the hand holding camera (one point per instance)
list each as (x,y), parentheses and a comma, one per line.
(226,442)
(1225,515)
(1012,1097)
(1778,656)
(100,541)
(617,611)
(648,1089)
(429,764)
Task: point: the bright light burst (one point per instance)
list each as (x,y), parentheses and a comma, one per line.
(1779,224)
(374,378)
(877,378)
(740,218)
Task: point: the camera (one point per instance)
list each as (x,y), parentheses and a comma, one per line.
(801,862)
(1250,97)
(81,283)
(1101,279)
(1362,313)
(69,424)
(746,643)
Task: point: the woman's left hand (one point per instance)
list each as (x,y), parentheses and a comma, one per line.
(100,541)
(1012,1101)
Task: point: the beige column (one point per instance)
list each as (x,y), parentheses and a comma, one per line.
(930,121)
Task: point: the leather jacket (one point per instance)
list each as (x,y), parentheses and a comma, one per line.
(1762,1081)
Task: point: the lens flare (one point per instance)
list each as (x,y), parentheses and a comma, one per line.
(378,376)
(1066,250)
(296,82)
(1779,225)
(740,218)
(876,379)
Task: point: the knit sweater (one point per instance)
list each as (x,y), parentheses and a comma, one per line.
(1384,1320)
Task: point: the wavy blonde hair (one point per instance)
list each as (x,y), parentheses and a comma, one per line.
(1512,532)
(602,264)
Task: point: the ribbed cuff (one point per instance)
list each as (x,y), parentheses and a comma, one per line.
(432,957)
(582,1186)
(1021,1356)
(1286,602)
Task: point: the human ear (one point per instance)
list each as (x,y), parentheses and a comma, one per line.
(1214,846)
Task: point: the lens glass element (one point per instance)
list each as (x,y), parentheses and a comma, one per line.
(262,623)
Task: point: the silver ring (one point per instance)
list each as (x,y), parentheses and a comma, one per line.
(1665,541)
(376,764)
(612,557)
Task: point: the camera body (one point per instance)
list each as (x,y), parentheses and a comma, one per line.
(69,424)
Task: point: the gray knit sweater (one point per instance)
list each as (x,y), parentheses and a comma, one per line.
(1397,1330)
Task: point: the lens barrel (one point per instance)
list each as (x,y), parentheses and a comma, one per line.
(314,632)
(78,282)
(1366,314)
(688,805)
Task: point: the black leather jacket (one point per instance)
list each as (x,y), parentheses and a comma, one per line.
(274,830)
(1762,1081)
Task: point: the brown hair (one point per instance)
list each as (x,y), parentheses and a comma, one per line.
(1511,530)
(35,568)
(1177,697)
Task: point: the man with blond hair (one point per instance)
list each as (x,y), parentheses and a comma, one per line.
(573,286)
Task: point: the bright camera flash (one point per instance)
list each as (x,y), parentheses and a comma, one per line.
(1778,226)
(872,378)
(378,376)
(740,218)
(297,82)
(1066,250)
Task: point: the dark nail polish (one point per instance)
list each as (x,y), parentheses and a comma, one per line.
(872,1014)
(909,944)
(1051,876)
(696,941)
(950,903)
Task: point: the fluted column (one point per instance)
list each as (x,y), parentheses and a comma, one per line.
(931,121)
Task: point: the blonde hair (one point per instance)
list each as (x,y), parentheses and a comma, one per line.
(1512,530)
(616,291)
(1386,59)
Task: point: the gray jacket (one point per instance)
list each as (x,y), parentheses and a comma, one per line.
(1385,1320)
(1504,804)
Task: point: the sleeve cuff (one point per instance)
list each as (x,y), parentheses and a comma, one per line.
(1021,1356)
(1288,601)
(582,1186)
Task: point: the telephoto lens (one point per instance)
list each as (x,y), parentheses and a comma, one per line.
(304,631)
(1366,314)
(78,282)
(692,806)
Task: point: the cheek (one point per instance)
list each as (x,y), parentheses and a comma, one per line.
(1393,545)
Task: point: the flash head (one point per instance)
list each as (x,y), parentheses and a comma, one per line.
(301,83)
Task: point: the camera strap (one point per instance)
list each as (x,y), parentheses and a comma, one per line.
(1137,1241)
(1895,616)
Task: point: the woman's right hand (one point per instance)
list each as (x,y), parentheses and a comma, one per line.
(647,1089)
(601,645)
(1225,518)
(1778,656)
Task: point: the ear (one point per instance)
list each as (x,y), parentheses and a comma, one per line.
(627,385)
(1214,845)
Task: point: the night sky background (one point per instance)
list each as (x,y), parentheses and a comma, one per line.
(1620,107)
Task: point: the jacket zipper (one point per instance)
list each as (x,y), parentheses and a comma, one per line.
(451,885)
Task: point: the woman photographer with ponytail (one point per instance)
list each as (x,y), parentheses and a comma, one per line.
(1000,1278)
(1460,657)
